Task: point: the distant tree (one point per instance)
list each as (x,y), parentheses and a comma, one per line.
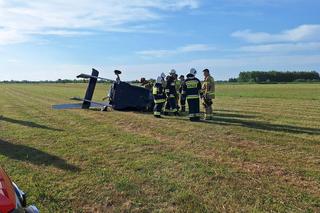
(233,80)
(276,76)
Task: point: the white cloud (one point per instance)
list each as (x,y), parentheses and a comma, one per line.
(261,2)
(223,68)
(10,36)
(195,48)
(20,19)
(299,34)
(282,47)
(64,33)
(184,49)
(13,60)
(156,53)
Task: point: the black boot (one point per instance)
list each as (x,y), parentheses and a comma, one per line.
(183,109)
(196,119)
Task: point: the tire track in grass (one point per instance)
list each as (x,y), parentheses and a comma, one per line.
(30,103)
(24,104)
(256,168)
(93,116)
(31,171)
(263,105)
(267,169)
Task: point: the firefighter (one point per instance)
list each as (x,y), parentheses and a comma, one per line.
(208,90)
(146,84)
(178,85)
(177,82)
(159,97)
(172,72)
(163,79)
(163,76)
(174,75)
(171,106)
(192,89)
(182,95)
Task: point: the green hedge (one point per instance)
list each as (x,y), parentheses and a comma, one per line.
(276,76)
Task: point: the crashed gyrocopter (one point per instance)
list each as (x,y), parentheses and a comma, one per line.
(121,96)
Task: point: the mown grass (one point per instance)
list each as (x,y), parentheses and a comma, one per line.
(260,153)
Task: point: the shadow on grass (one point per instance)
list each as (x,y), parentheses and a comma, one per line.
(237,121)
(27,123)
(235,111)
(34,156)
(233,115)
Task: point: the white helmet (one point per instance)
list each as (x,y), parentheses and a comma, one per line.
(172,72)
(193,71)
(159,80)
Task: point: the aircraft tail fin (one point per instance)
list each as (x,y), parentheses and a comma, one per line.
(90,89)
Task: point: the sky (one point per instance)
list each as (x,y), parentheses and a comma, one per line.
(58,39)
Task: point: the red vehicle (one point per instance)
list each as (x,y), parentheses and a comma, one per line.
(12,199)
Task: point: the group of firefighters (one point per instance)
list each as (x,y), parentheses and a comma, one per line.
(172,94)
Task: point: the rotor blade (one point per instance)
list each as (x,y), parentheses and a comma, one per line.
(67,106)
(106,79)
(92,102)
(86,76)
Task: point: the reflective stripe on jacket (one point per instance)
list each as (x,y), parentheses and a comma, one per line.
(208,87)
(158,93)
(191,88)
(171,91)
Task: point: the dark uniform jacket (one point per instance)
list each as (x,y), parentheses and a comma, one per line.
(191,87)
(171,91)
(181,87)
(158,93)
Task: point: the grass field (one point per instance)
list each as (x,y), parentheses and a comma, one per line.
(261,153)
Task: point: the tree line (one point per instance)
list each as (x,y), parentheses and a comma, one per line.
(277,77)
(247,76)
